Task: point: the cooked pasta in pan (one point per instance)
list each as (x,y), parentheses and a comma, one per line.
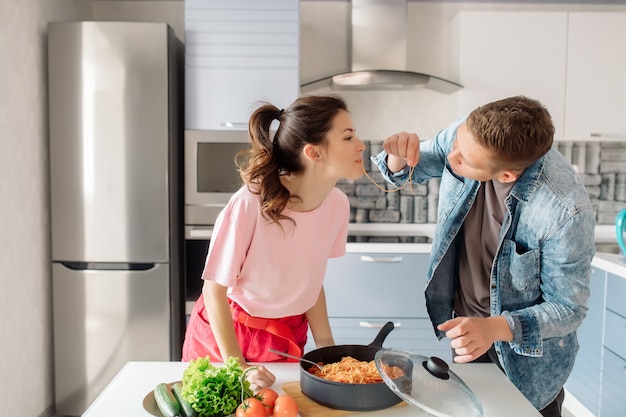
(353,371)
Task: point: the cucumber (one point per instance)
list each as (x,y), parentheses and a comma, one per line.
(165,401)
(185,407)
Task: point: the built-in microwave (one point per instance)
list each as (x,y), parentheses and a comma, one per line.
(211,176)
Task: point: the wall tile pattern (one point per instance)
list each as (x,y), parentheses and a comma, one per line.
(601,167)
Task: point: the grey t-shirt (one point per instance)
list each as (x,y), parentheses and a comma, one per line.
(481,232)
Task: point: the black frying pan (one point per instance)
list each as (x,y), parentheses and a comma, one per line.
(344,396)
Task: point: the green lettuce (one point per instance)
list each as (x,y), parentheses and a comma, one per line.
(215,391)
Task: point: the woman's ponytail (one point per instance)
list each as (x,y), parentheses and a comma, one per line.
(260,165)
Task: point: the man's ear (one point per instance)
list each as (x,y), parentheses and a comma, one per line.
(310,151)
(509,176)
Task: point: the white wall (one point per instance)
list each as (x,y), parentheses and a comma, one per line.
(25,322)
(26,369)
(171,12)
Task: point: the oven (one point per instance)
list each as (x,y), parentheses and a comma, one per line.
(211,178)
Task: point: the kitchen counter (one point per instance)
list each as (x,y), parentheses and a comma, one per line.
(125,393)
(615,264)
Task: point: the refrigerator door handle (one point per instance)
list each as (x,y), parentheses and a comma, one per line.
(109,266)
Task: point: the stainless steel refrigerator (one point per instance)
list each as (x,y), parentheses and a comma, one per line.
(116,201)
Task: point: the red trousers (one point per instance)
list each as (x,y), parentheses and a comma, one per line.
(255,335)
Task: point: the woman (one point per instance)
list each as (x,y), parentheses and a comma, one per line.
(265,267)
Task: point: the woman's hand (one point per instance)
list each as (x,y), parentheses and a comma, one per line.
(259,377)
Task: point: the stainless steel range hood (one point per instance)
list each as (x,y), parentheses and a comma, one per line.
(379,52)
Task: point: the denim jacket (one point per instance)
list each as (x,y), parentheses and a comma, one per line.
(540,275)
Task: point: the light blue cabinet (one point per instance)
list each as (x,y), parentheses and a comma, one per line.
(613,388)
(599,375)
(584,381)
(382,285)
(365,290)
(613,400)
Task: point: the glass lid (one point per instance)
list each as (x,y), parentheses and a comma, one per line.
(427,383)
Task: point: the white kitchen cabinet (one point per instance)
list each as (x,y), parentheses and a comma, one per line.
(506,53)
(573,62)
(596,75)
(238,53)
(365,290)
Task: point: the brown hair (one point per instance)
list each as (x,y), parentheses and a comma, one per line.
(518,130)
(306,121)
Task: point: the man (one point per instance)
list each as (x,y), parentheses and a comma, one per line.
(509,271)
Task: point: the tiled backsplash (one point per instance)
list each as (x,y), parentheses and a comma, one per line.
(601,167)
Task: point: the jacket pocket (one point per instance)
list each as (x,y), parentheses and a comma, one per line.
(520,273)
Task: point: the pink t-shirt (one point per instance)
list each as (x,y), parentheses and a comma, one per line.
(273,272)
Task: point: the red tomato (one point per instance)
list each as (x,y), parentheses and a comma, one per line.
(268,397)
(285,406)
(250,407)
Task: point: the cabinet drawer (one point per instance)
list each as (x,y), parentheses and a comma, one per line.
(613,383)
(615,333)
(362,331)
(415,335)
(615,294)
(376,285)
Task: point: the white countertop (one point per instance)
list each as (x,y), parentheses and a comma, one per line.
(615,264)
(603,233)
(125,393)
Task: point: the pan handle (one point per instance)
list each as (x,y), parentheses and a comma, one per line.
(372,325)
(382,335)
